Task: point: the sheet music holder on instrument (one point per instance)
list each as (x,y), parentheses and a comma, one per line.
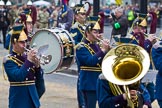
(150,76)
(119,40)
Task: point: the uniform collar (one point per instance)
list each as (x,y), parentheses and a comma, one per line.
(87,41)
(16,53)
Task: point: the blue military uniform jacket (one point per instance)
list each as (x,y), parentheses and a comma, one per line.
(66,19)
(157,59)
(77,32)
(89,56)
(26,81)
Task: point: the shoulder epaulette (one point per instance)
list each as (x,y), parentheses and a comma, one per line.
(12,58)
(79,45)
(73,34)
(6,58)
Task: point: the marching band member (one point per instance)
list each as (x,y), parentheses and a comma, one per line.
(24,73)
(108,96)
(65,16)
(78,33)
(30,10)
(157,56)
(78,28)
(19,21)
(29,24)
(25,19)
(89,56)
(138,33)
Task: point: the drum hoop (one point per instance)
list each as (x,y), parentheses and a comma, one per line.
(48,30)
(61,47)
(71,39)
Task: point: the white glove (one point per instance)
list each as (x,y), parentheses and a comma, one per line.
(62,26)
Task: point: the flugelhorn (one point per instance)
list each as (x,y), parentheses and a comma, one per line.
(44,59)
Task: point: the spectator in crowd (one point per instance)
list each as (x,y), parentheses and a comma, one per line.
(119,22)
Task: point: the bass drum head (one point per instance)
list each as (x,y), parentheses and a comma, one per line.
(47,37)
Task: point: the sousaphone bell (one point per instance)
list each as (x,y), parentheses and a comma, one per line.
(125,64)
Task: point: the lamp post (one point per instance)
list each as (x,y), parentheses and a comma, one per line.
(143,6)
(96,7)
(143,9)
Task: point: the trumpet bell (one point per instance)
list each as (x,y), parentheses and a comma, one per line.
(125,64)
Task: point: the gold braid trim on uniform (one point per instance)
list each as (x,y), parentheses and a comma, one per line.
(133,38)
(89,48)
(91,51)
(98,69)
(115,89)
(23,83)
(63,14)
(18,62)
(82,31)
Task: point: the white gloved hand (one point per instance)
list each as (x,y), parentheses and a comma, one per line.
(62,26)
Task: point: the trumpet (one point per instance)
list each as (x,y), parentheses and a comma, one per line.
(147,35)
(44,59)
(101,40)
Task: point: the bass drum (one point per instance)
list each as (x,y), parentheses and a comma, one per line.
(60,47)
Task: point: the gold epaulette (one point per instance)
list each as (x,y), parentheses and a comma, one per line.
(14,59)
(63,14)
(17,61)
(73,34)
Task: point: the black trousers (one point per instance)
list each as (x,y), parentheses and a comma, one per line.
(4,31)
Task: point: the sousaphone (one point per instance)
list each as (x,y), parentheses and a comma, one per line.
(125,64)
